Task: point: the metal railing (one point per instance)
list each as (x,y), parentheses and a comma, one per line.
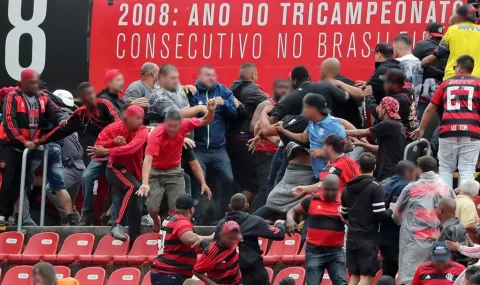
(22,187)
(416,144)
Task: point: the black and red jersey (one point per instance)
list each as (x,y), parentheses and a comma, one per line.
(85,120)
(426,274)
(17,117)
(220,264)
(345,168)
(326,230)
(459,96)
(174,256)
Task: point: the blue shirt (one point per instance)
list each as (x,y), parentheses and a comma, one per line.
(317,133)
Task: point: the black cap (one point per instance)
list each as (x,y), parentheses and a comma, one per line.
(299,73)
(184,202)
(318,101)
(435,29)
(467,11)
(394,75)
(384,48)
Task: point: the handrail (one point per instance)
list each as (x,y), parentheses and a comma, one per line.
(22,188)
(415,143)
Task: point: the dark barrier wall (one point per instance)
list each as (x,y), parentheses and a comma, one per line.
(51,34)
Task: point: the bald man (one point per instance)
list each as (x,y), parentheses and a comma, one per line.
(330,71)
(190,281)
(143,88)
(325,233)
(252,227)
(451,229)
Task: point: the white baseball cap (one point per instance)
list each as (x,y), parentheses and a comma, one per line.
(66,96)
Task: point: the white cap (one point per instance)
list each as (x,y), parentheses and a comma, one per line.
(66,96)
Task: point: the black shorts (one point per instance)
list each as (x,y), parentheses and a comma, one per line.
(362,257)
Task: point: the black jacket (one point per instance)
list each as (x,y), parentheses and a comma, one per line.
(252,227)
(363,205)
(116,101)
(250,95)
(425,48)
(377,84)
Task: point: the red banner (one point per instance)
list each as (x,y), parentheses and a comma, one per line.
(274,35)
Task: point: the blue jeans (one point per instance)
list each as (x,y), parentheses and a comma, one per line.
(55,178)
(94,171)
(334,262)
(218,160)
(166,279)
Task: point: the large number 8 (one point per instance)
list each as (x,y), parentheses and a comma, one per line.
(20,27)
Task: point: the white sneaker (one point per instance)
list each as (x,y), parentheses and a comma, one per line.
(147,221)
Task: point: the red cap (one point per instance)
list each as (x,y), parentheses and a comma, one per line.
(133,111)
(28,74)
(111,74)
(231,227)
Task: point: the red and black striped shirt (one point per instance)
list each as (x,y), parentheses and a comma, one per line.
(220,264)
(326,230)
(426,274)
(345,168)
(174,256)
(84,120)
(459,96)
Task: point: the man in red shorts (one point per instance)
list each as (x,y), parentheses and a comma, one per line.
(161,168)
(176,250)
(220,260)
(123,142)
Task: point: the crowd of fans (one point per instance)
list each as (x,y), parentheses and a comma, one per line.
(302,157)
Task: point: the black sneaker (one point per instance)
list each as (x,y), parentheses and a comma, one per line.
(118,232)
(71,221)
(87,219)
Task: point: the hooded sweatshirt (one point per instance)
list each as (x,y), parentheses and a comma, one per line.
(251,227)
(363,205)
(250,95)
(381,68)
(116,101)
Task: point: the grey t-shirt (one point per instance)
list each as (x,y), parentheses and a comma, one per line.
(33,113)
(138,89)
(72,151)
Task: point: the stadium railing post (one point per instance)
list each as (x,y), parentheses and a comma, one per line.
(44,186)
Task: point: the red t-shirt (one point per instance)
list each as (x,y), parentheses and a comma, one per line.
(345,168)
(167,150)
(220,264)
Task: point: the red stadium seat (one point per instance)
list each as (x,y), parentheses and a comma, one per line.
(299,259)
(73,246)
(10,243)
(18,275)
(146,279)
(62,271)
(38,246)
(296,273)
(91,276)
(144,249)
(326,279)
(263,243)
(107,248)
(270,274)
(125,276)
(283,250)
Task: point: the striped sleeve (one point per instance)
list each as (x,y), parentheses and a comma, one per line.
(473,252)
(343,207)
(111,110)
(378,204)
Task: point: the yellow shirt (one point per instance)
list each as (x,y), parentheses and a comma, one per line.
(459,40)
(466,210)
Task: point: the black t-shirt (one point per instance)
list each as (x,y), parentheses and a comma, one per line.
(349,110)
(390,137)
(187,155)
(292,103)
